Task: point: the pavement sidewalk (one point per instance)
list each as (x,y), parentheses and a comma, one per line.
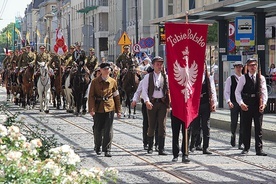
(221,119)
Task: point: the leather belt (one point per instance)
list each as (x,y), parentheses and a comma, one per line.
(156,100)
(105,98)
(249,95)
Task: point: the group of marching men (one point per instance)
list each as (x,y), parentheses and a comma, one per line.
(18,61)
(245,94)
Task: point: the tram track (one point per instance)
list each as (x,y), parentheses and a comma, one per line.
(173,173)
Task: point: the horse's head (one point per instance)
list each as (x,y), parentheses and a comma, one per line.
(43,68)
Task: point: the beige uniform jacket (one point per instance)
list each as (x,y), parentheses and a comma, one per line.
(104,96)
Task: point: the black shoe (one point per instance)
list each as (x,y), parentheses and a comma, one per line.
(185,159)
(107,154)
(199,148)
(150,151)
(162,152)
(98,151)
(175,159)
(261,153)
(240,147)
(233,141)
(206,151)
(192,150)
(244,152)
(146,147)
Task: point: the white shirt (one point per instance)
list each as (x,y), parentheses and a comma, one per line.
(213,88)
(138,92)
(157,79)
(227,88)
(241,83)
(271,71)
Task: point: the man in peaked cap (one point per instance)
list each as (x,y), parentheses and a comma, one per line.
(92,61)
(104,100)
(251,95)
(235,110)
(124,59)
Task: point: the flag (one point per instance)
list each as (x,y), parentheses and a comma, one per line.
(18,33)
(9,36)
(28,37)
(185,44)
(45,40)
(38,33)
(60,47)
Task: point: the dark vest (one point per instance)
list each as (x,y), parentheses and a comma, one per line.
(250,93)
(205,91)
(164,89)
(233,88)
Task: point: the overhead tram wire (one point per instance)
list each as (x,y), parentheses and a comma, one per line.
(3,8)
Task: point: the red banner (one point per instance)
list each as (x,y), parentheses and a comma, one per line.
(185,44)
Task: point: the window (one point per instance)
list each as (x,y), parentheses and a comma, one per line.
(191,4)
(170,7)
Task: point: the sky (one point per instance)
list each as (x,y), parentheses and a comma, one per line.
(11,8)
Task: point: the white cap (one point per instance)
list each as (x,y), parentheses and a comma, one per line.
(238,63)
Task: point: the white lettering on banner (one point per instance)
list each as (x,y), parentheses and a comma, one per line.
(183,36)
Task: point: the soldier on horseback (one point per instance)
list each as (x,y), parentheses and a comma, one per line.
(68,64)
(6,65)
(25,59)
(124,60)
(42,56)
(54,64)
(92,61)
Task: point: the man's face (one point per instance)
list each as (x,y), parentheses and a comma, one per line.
(42,50)
(252,67)
(157,66)
(28,49)
(238,68)
(92,52)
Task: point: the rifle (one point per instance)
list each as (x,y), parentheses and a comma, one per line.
(260,87)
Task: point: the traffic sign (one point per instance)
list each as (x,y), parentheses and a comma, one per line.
(124,40)
(245,31)
(136,48)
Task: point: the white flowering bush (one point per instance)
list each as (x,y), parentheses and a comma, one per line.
(20,162)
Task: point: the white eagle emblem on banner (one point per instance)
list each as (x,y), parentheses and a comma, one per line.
(185,76)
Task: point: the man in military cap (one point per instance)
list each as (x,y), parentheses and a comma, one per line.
(104,99)
(78,55)
(92,60)
(26,57)
(42,56)
(124,59)
(68,64)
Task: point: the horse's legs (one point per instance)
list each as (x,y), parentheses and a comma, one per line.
(40,97)
(46,100)
(84,101)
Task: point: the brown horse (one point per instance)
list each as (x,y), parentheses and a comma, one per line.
(15,87)
(27,86)
(7,82)
(58,88)
(130,82)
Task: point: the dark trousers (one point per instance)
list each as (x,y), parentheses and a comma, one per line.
(247,116)
(157,117)
(234,113)
(146,126)
(103,130)
(202,121)
(177,124)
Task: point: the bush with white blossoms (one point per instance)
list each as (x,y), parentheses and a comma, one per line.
(20,162)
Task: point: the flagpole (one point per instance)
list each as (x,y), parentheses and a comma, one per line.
(14,37)
(186,128)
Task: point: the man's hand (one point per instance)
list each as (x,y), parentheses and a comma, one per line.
(213,108)
(119,115)
(149,105)
(92,113)
(244,107)
(262,108)
(231,106)
(133,103)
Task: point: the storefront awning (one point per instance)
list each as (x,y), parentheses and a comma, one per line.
(87,9)
(223,10)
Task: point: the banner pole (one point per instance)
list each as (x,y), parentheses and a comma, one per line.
(186,128)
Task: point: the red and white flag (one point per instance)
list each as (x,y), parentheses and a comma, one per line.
(185,47)
(60,47)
